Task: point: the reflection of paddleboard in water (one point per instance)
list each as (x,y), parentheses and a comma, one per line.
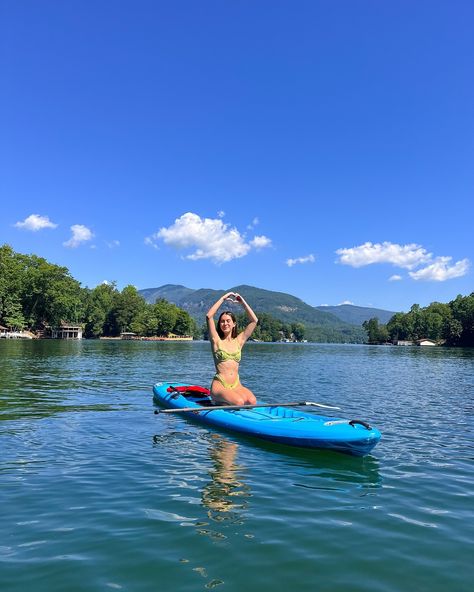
(277,423)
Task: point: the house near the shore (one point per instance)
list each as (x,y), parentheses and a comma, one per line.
(428,342)
(422,342)
(66,331)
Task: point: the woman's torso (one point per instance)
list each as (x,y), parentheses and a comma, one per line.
(227,356)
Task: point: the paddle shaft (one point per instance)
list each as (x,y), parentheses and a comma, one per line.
(229,407)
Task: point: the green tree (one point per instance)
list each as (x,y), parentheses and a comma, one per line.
(99,304)
(453,322)
(463,312)
(167,315)
(417,322)
(436,320)
(11,282)
(128,306)
(298,330)
(268,328)
(453,332)
(184,324)
(146,322)
(13,314)
(50,294)
(376,332)
(399,327)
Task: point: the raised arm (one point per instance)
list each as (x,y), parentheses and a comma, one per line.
(253,320)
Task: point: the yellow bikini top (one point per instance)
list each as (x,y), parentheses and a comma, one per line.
(220,355)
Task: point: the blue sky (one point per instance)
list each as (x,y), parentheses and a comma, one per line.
(319,148)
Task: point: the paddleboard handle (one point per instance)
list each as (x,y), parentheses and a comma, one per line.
(353,423)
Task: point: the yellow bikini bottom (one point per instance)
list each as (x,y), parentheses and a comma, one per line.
(226,384)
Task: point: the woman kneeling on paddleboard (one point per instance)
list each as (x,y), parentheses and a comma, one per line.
(226,348)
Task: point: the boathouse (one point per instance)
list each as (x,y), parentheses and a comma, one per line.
(67,332)
(127,335)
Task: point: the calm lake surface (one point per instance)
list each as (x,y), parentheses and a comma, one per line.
(98,493)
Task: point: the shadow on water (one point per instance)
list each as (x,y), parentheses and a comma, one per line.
(322,469)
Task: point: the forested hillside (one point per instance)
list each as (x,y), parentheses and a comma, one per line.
(451,324)
(320,326)
(36,294)
(356,315)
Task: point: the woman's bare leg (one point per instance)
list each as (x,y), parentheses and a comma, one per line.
(240,395)
(247,394)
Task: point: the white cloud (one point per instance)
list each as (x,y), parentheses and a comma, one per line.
(220,214)
(255,222)
(208,238)
(308,259)
(260,242)
(440,270)
(150,241)
(113,244)
(405,256)
(35,222)
(346,302)
(409,257)
(80,234)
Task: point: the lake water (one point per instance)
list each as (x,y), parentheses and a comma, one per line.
(98,493)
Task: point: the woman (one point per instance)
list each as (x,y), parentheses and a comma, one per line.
(226,349)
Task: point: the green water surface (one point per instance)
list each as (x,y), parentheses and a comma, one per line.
(98,493)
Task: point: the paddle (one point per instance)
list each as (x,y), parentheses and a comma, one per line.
(227,407)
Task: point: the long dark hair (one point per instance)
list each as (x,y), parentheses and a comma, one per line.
(234,329)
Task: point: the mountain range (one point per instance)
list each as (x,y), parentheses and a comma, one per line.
(341,323)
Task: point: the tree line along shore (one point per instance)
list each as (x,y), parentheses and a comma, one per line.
(449,324)
(36,295)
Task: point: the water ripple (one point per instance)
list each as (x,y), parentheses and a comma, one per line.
(96,489)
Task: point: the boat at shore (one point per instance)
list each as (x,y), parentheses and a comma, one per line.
(172,338)
(16,335)
(134,337)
